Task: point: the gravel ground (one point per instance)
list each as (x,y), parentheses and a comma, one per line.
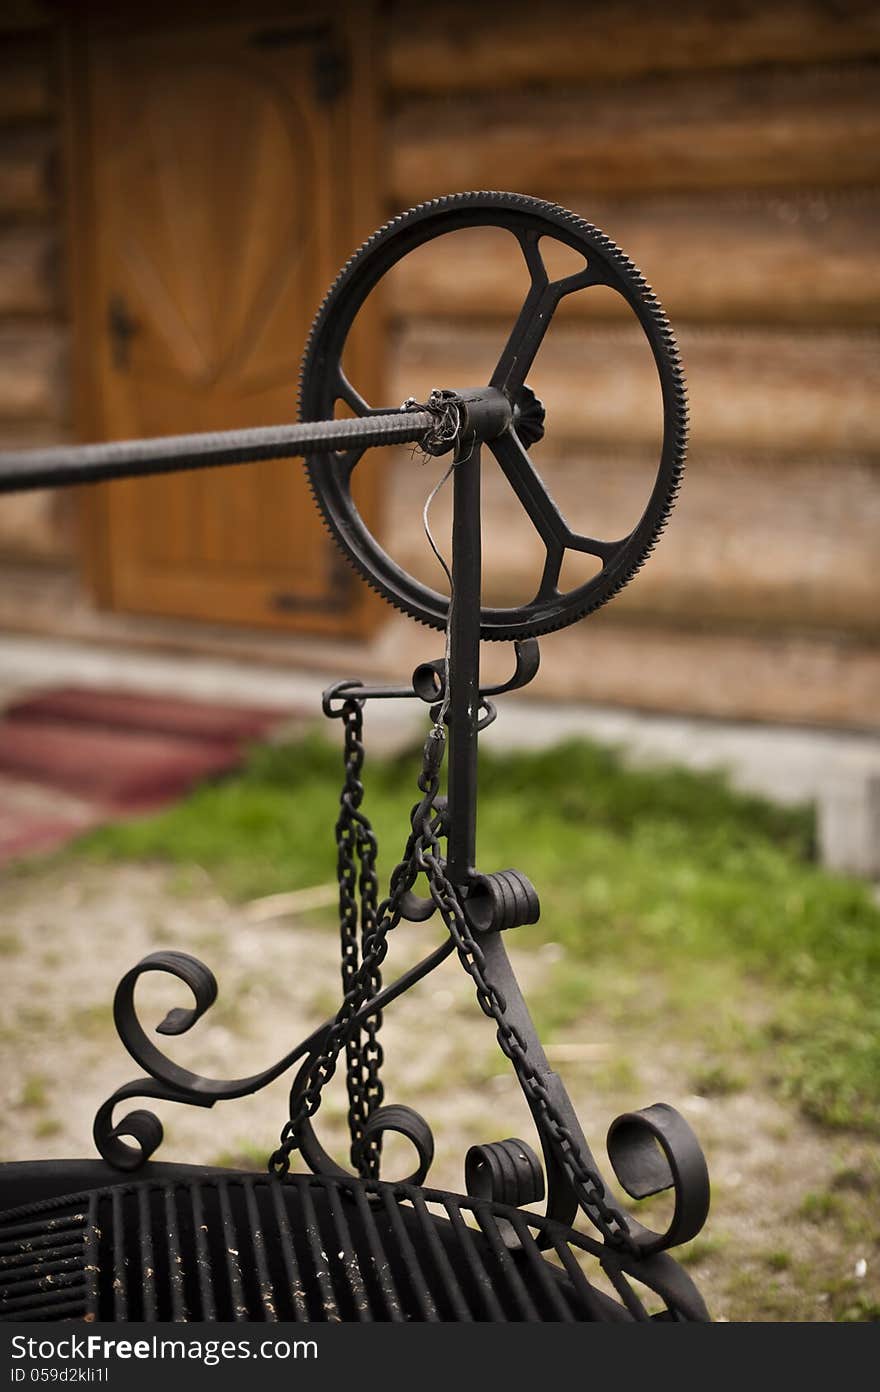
(794,1232)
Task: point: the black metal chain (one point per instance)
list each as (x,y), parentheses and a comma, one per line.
(358,900)
(423,856)
(586,1182)
(360,979)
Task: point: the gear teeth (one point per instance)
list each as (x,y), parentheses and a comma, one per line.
(595,593)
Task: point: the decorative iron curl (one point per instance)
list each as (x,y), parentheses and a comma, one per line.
(406,1121)
(169,1082)
(654,1150)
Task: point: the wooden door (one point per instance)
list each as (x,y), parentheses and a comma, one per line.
(227,170)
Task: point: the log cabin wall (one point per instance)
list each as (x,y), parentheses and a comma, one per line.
(34,368)
(733,150)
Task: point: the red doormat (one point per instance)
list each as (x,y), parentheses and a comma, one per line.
(76,757)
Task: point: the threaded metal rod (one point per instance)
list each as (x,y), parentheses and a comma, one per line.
(21,470)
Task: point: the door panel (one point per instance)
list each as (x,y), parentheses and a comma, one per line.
(222,164)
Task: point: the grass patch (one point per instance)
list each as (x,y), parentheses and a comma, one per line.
(778,1259)
(660,873)
(34,1092)
(818,1206)
(717,1080)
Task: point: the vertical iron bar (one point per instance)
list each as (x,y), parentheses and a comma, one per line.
(202,1254)
(238,1300)
(175,1257)
(258,1247)
(464,661)
(288,1253)
(378,1256)
(469,1246)
(444,1266)
(517,1287)
(582,1288)
(120,1259)
(542,1272)
(148,1265)
(347,1254)
(319,1256)
(418,1281)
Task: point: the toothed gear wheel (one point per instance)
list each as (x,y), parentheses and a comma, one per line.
(323,384)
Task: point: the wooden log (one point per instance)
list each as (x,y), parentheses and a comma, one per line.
(34,382)
(775,544)
(36,527)
(19,15)
(790,678)
(514,45)
(799,259)
(29,282)
(809,679)
(27,173)
(753,390)
(24,81)
(756,128)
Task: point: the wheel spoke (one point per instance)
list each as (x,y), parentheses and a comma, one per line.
(348,460)
(537,311)
(527,334)
(549,586)
(549,523)
(604,550)
(531,490)
(352,398)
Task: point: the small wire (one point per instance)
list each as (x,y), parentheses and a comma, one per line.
(444,704)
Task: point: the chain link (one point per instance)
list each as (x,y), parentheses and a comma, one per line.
(359,978)
(358,899)
(362,980)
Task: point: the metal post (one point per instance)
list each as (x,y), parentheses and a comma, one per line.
(464,661)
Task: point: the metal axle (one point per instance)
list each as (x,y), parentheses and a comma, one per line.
(168,454)
(483,412)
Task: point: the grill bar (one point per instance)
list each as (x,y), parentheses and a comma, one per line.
(588,1295)
(148,1270)
(444,1266)
(379,1257)
(477,1265)
(250,1247)
(175,1257)
(319,1256)
(27,1255)
(258,1242)
(230,1244)
(203,1263)
(120,1259)
(541,1272)
(288,1254)
(63,1310)
(14,1305)
(348,1256)
(502,1255)
(626,1293)
(45,1230)
(417,1279)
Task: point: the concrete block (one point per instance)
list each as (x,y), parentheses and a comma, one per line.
(849,826)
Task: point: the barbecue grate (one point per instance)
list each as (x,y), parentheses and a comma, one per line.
(249,1248)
